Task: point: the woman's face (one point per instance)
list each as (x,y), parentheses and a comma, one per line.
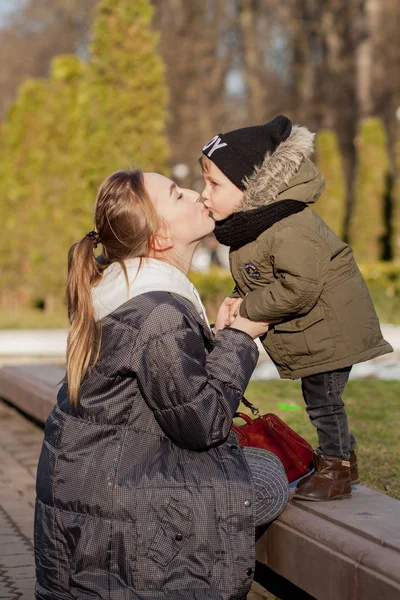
(187,219)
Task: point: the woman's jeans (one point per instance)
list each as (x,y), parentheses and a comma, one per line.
(271,488)
(323,396)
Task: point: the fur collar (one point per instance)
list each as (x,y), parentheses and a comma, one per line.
(264,185)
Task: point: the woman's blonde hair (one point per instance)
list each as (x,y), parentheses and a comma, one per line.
(126,221)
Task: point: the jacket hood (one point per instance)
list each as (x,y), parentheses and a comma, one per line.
(144,275)
(286,174)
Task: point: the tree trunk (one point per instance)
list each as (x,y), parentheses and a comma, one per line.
(368,17)
(253,60)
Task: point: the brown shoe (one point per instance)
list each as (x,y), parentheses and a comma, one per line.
(354,476)
(331,480)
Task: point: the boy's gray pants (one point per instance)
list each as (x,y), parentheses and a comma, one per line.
(322,394)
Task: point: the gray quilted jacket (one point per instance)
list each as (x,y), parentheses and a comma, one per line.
(143,492)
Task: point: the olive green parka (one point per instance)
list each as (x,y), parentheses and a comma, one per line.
(298,272)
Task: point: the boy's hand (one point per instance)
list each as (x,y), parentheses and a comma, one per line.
(227,313)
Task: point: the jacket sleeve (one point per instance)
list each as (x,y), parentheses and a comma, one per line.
(234,293)
(193,395)
(300,259)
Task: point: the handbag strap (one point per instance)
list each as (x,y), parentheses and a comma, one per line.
(254,410)
(246,418)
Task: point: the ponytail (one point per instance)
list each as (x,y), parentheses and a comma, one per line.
(125,222)
(84,271)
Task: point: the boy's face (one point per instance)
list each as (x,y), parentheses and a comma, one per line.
(221,196)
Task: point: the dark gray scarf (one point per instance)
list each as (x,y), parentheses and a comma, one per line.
(244,227)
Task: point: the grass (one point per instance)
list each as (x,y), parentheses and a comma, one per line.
(33,319)
(374,416)
(386,305)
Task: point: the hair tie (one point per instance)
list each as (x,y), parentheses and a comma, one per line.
(94,236)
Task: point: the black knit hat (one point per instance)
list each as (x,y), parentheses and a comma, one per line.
(238,152)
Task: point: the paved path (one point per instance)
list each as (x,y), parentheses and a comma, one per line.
(20,443)
(33,342)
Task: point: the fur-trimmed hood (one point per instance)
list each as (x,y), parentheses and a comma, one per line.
(285,174)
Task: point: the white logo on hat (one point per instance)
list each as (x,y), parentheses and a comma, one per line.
(215,143)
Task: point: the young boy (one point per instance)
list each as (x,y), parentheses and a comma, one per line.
(292,271)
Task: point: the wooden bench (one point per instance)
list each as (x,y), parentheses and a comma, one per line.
(338,550)
(31,388)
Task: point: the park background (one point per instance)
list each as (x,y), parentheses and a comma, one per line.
(89,87)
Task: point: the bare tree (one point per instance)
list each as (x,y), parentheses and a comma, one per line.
(253,59)
(34,33)
(196,51)
(386,64)
(366,21)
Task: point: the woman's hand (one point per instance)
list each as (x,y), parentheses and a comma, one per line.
(226,313)
(233,310)
(253,328)
(228,316)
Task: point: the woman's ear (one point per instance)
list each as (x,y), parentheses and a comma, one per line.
(160,243)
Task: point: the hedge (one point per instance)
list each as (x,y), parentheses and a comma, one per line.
(367,222)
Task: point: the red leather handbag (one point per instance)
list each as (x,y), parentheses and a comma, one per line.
(271,433)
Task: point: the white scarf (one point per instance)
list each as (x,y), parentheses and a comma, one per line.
(154,275)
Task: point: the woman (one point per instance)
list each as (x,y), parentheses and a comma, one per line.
(143,491)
